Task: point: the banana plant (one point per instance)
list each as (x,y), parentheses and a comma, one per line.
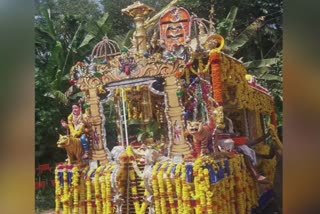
(59,54)
(268,71)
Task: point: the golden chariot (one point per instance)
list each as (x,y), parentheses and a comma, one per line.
(168,117)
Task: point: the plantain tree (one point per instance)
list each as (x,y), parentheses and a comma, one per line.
(61,39)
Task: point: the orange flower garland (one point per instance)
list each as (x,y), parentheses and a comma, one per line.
(214,58)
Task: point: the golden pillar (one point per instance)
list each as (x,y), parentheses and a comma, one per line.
(139,11)
(98,150)
(179,146)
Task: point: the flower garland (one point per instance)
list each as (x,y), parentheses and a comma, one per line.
(170,192)
(202,190)
(249,189)
(133,181)
(66,195)
(185,191)
(178,186)
(75,186)
(214,59)
(233,74)
(107,191)
(155,188)
(89,195)
(57,191)
(231,186)
(83,190)
(162,192)
(97,191)
(144,204)
(133,168)
(223,188)
(235,192)
(227,187)
(196,172)
(209,194)
(239,190)
(103,190)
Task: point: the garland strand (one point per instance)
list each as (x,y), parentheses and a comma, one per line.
(57,191)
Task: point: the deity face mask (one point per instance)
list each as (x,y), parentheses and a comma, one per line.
(175,28)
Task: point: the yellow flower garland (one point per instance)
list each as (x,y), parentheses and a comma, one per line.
(185,191)
(170,192)
(83,190)
(155,188)
(162,188)
(103,190)
(108,193)
(233,74)
(133,181)
(66,195)
(178,188)
(57,191)
(89,195)
(236,193)
(196,172)
(75,186)
(97,190)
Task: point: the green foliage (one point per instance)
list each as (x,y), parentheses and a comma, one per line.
(62,38)
(44,199)
(224,27)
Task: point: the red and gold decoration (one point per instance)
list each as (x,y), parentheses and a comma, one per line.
(174,98)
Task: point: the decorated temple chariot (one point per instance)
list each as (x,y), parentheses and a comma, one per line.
(171,124)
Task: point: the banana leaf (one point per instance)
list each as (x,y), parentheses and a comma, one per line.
(57,95)
(246,35)
(261,63)
(124,40)
(270,77)
(86,40)
(225,27)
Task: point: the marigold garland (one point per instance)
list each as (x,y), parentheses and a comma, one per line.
(170,191)
(65,199)
(75,186)
(133,181)
(185,191)
(155,188)
(161,185)
(57,191)
(233,75)
(178,187)
(103,189)
(83,190)
(89,195)
(108,192)
(214,59)
(97,190)
(235,192)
